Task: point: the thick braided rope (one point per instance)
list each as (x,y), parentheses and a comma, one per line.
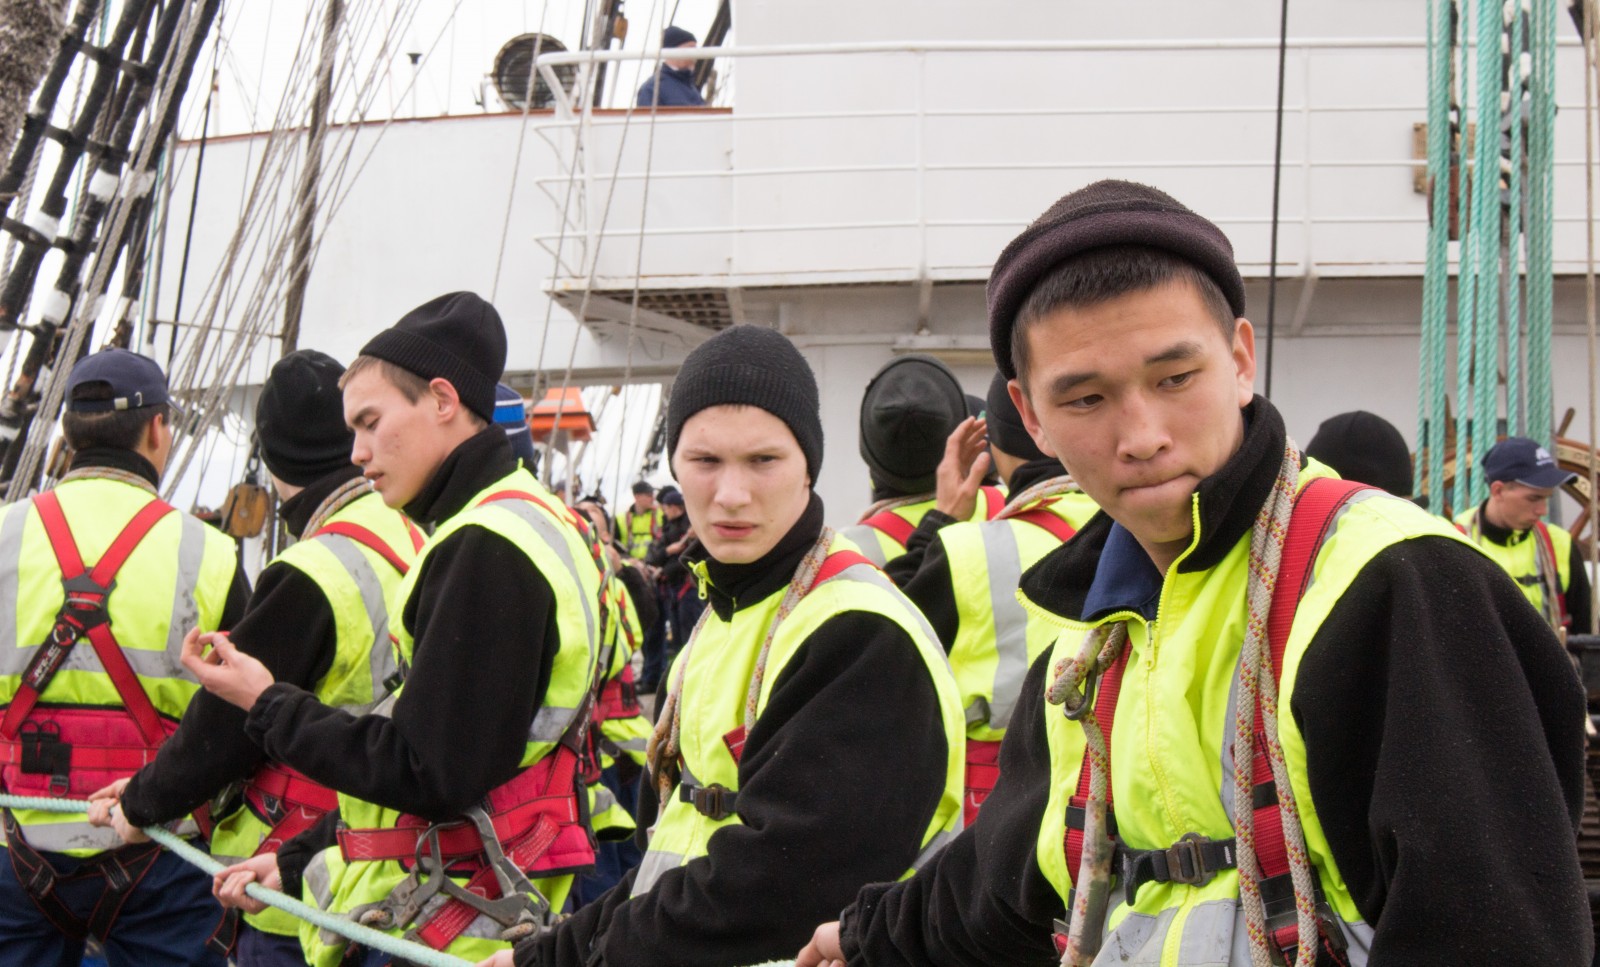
(894,503)
(665,742)
(1068,688)
(343,496)
(1043,490)
(413,952)
(111,473)
(1257,683)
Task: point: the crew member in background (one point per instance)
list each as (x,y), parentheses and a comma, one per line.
(99,580)
(1366,448)
(673,84)
(681,601)
(1509,526)
(620,732)
(317,619)
(1282,769)
(909,410)
(511,415)
(641,523)
(967,582)
(495,629)
(810,677)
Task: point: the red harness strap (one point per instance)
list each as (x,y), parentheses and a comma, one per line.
(83,614)
(891,523)
(995,502)
(1316,509)
(373,542)
(1543,530)
(289,801)
(537,817)
(1041,517)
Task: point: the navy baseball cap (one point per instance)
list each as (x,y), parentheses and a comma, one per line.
(1523,461)
(136,381)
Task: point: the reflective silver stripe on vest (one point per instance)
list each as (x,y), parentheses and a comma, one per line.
(551,723)
(1214,933)
(656,862)
(347,552)
(632,745)
(866,538)
(185,606)
(1004,560)
(10,562)
(603,799)
(60,837)
(877,578)
(144,662)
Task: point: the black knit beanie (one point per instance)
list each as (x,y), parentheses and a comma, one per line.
(1366,448)
(456,337)
(909,410)
(1006,431)
(1105,213)
(752,366)
(300,419)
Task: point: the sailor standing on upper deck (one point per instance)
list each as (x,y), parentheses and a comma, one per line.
(673,84)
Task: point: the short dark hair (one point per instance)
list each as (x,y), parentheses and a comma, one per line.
(1102,274)
(411,386)
(115,429)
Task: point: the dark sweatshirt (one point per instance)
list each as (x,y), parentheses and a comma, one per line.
(288,626)
(838,781)
(1444,742)
(1576,593)
(484,623)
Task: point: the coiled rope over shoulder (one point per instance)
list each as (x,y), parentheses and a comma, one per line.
(1071,687)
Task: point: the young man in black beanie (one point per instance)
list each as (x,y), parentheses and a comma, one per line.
(495,628)
(811,737)
(968,570)
(909,410)
(1260,759)
(317,620)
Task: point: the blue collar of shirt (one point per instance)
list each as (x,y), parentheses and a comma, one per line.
(1125,579)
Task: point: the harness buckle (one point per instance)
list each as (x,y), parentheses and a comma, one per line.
(85,602)
(43,753)
(1186,863)
(1194,860)
(715,802)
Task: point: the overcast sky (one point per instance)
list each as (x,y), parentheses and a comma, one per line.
(254,52)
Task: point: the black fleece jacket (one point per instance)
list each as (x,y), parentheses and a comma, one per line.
(484,623)
(1444,737)
(838,780)
(923,571)
(1576,593)
(288,626)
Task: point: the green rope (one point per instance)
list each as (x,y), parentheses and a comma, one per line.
(1486,222)
(1436,276)
(1541,209)
(1515,419)
(1466,290)
(376,939)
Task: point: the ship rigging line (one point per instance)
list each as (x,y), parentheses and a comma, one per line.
(1277,195)
(594,255)
(1591,81)
(522,137)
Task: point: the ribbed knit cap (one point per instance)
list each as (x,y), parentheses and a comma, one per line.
(1105,213)
(1366,448)
(909,410)
(457,337)
(1006,431)
(750,366)
(300,419)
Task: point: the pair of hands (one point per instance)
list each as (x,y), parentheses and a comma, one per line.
(960,474)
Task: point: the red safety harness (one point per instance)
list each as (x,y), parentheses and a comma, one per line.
(983,757)
(61,751)
(900,529)
(1193,859)
(537,823)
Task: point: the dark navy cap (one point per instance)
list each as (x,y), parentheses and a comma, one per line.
(1521,460)
(672,498)
(136,381)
